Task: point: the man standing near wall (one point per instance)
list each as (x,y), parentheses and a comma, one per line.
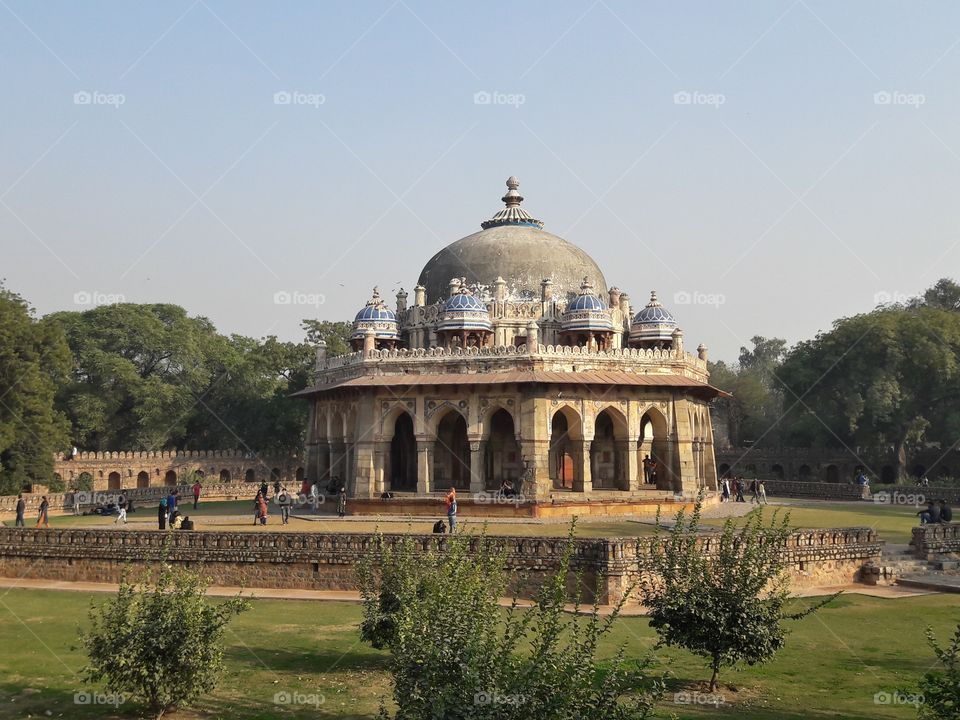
(21,509)
(452,507)
(197,487)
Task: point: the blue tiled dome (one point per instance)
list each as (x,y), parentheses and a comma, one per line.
(653,325)
(376,312)
(464,302)
(377,317)
(587,312)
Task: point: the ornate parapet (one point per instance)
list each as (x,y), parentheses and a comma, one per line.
(935,539)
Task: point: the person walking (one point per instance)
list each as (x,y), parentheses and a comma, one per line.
(725,490)
(21,509)
(76,503)
(42,519)
(740,497)
(162,514)
(171,502)
(342,502)
(762,490)
(197,487)
(452,508)
(284,500)
(121,514)
(262,509)
(264,489)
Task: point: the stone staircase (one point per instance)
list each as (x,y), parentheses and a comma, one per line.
(900,566)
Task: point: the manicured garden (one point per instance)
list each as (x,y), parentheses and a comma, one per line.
(833,665)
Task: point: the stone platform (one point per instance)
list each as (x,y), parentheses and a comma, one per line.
(560,505)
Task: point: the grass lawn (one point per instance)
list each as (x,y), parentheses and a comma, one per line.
(832,666)
(894,523)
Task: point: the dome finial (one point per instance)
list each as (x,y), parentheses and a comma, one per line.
(513,198)
(512,214)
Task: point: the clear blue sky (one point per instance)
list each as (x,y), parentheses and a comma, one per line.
(786,185)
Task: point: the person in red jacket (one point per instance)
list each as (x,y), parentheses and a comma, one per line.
(197,487)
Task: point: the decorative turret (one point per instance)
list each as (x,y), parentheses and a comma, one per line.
(653,326)
(401,300)
(375,316)
(702,352)
(464,320)
(419,296)
(586,320)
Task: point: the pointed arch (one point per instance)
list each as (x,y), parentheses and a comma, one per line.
(608,462)
(566,448)
(502,456)
(451,451)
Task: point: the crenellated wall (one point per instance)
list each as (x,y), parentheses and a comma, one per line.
(322,561)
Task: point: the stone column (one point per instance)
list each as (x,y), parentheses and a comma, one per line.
(361,485)
(476,466)
(381,454)
(682,450)
(630,463)
(586,472)
(424,466)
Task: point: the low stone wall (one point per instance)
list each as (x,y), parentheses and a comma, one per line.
(930,541)
(821,491)
(322,561)
(63,502)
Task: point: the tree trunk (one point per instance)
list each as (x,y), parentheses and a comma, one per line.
(715,676)
(900,455)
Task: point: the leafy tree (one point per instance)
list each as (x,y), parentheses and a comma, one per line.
(33,359)
(335,334)
(889,377)
(945,295)
(161,643)
(80,483)
(725,602)
(457,655)
(941,688)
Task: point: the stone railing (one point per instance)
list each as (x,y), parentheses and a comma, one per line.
(936,539)
(635,354)
(170,455)
(327,561)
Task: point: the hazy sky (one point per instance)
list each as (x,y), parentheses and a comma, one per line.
(776,164)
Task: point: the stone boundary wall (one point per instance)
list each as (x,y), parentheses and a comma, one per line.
(803,489)
(326,561)
(125,470)
(142,497)
(935,539)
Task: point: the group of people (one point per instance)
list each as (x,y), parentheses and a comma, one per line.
(43,512)
(650,467)
(169,515)
(285,500)
(733,490)
(937,511)
(451,501)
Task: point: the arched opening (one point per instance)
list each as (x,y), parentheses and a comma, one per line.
(224,476)
(452,453)
(143,479)
(170,478)
(566,450)
(657,461)
(84,481)
(804,472)
(250,475)
(113,481)
(607,462)
(403,455)
(832,474)
(274,475)
(776,472)
(338,452)
(299,475)
(888,474)
(502,460)
(750,470)
(724,470)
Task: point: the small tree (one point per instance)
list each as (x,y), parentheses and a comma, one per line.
(941,688)
(162,642)
(459,655)
(722,596)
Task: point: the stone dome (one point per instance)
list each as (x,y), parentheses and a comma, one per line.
(377,316)
(512,245)
(464,311)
